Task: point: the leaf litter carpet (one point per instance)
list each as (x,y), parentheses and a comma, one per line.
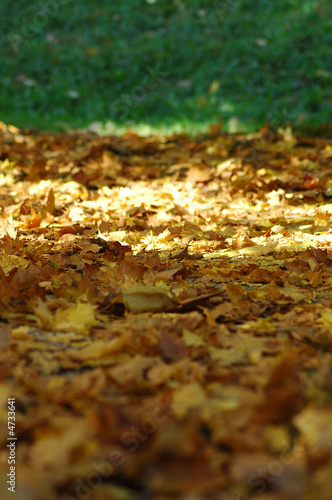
(166,322)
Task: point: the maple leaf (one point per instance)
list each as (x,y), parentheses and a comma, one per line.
(79,317)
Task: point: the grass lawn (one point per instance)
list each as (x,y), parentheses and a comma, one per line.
(162,66)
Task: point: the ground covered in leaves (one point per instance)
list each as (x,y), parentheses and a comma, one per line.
(166,315)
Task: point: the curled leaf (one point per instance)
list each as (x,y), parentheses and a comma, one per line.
(145,298)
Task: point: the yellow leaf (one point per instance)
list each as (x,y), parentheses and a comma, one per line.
(214,87)
(78,318)
(187,397)
(9,262)
(192,339)
(144,298)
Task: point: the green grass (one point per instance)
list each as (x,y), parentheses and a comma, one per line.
(87,64)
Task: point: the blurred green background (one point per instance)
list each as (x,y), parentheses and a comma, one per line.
(165,65)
